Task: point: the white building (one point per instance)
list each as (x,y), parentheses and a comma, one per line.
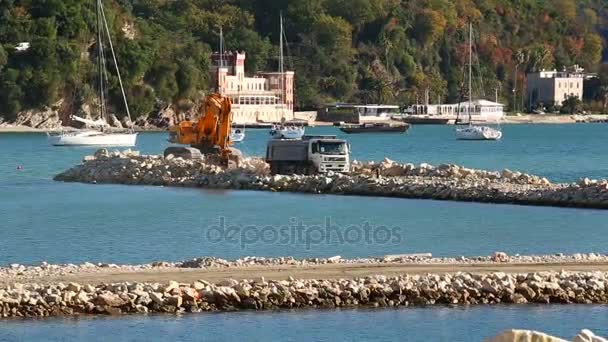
(481,111)
(554,87)
(266,97)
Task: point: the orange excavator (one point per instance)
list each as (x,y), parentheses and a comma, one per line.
(210,135)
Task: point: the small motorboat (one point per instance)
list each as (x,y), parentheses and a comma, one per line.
(237,134)
(478,133)
(375,128)
(287,132)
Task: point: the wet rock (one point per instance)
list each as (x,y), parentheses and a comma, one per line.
(110,300)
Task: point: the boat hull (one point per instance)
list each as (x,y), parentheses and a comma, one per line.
(426,121)
(93,138)
(478,133)
(287,133)
(375,129)
(237,137)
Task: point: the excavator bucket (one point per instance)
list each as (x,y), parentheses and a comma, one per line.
(184,152)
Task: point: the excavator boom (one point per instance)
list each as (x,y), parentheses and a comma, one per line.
(211,133)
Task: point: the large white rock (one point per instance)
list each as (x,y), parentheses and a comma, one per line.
(588,336)
(524,336)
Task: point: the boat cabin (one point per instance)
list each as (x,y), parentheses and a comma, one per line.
(355,113)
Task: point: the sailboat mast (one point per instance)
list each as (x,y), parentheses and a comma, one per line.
(122,88)
(281,64)
(470,68)
(221,47)
(100,61)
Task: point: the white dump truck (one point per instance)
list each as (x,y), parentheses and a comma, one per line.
(309,155)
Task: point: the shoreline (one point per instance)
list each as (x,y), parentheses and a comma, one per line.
(524,119)
(409,281)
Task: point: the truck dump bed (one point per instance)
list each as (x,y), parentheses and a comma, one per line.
(287,150)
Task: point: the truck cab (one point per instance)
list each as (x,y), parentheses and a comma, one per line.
(309,155)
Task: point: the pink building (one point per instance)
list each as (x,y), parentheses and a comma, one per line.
(266,97)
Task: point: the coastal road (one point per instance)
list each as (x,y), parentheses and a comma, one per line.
(326,271)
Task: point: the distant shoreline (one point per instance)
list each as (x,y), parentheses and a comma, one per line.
(508,120)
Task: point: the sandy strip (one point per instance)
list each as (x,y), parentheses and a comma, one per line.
(326,271)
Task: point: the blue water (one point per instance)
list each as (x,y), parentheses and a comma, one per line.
(436,324)
(42,220)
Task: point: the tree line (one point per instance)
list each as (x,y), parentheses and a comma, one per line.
(374,51)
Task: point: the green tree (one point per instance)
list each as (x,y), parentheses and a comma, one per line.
(592,50)
(571,104)
(3,57)
(602,96)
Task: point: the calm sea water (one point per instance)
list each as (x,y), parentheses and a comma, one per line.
(436,324)
(42,220)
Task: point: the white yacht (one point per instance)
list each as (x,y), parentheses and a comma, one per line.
(100,135)
(287,132)
(478,133)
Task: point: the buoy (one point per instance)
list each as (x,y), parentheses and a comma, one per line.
(19,167)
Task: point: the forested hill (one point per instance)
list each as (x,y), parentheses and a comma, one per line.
(386,51)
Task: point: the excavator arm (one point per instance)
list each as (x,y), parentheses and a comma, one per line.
(211,133)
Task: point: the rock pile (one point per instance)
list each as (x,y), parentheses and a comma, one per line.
(389,179)
(390,168)
(34,300)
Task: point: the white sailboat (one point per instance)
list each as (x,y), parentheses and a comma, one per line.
(101,135)
(473,132)
(284,130)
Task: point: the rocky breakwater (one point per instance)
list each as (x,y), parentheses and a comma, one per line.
(388,178)
(36,300)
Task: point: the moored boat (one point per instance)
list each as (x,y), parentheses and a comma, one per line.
(478,133)
(284,130)
(375,128)
(93,138)
(101,136)
(474,132)
(425,120)
(237,134)
(287,132)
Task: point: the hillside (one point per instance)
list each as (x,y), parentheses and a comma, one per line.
(386,51)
